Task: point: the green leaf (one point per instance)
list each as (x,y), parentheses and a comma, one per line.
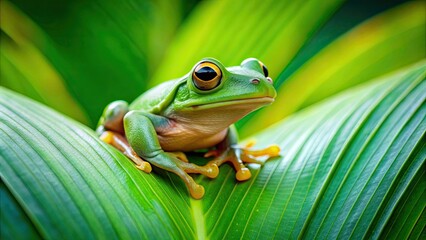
(232,31)
(352,166)
(72,185)
(380,45)
(100,51)
(26,69)
(14,221)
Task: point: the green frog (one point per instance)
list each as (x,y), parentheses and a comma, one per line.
(195,112)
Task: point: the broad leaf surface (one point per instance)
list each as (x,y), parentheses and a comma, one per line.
(25,67)
(100,50)
(380,45)
(233,30)
(15,224)
(352,166)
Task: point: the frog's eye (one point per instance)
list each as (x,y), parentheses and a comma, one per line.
(254,64)
(264,69)
(206,76)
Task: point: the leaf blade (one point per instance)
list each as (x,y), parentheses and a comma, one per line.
(294,200)
(263,28)
(26,69)
(327,152)
(109,195)
(378,46)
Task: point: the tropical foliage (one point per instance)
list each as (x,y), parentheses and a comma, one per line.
(350,117)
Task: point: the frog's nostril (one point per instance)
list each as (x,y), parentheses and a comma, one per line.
(255,81)
(269,80)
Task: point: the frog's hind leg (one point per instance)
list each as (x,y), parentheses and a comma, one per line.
(110,130)
(229,151)
(230,154)
(144,140)
(112,118)
(210,171)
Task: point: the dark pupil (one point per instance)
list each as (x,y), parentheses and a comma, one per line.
(206,73)
(265,71)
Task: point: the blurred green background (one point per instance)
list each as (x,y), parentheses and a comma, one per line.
(77,56)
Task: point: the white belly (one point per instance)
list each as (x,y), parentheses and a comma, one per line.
(202,127)
(187,141)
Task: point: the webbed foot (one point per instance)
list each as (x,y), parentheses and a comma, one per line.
(176,162)
(209,170)
(238,155)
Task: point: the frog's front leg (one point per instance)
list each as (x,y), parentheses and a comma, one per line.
(140,132)
(110,130)
(229,151)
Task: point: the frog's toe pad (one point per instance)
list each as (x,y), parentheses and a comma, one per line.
(107,137)
(144,166)
(243,174)
(271,151)
(212,170)
(197,191)
(274,150)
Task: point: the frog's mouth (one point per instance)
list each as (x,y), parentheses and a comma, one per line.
(249,102)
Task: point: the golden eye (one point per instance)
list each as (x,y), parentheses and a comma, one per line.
(264,69)
(206,76)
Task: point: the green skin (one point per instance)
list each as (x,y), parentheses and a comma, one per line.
(177,116)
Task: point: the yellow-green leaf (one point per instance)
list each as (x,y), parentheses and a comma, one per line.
(351,167)
(380,45)
(233,30)
(25,69)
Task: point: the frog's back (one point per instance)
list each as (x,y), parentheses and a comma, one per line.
(154,99)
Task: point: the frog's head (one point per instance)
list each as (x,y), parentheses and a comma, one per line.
(212,87)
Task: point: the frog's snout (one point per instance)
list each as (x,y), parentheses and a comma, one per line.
(264,86)
(256,81)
